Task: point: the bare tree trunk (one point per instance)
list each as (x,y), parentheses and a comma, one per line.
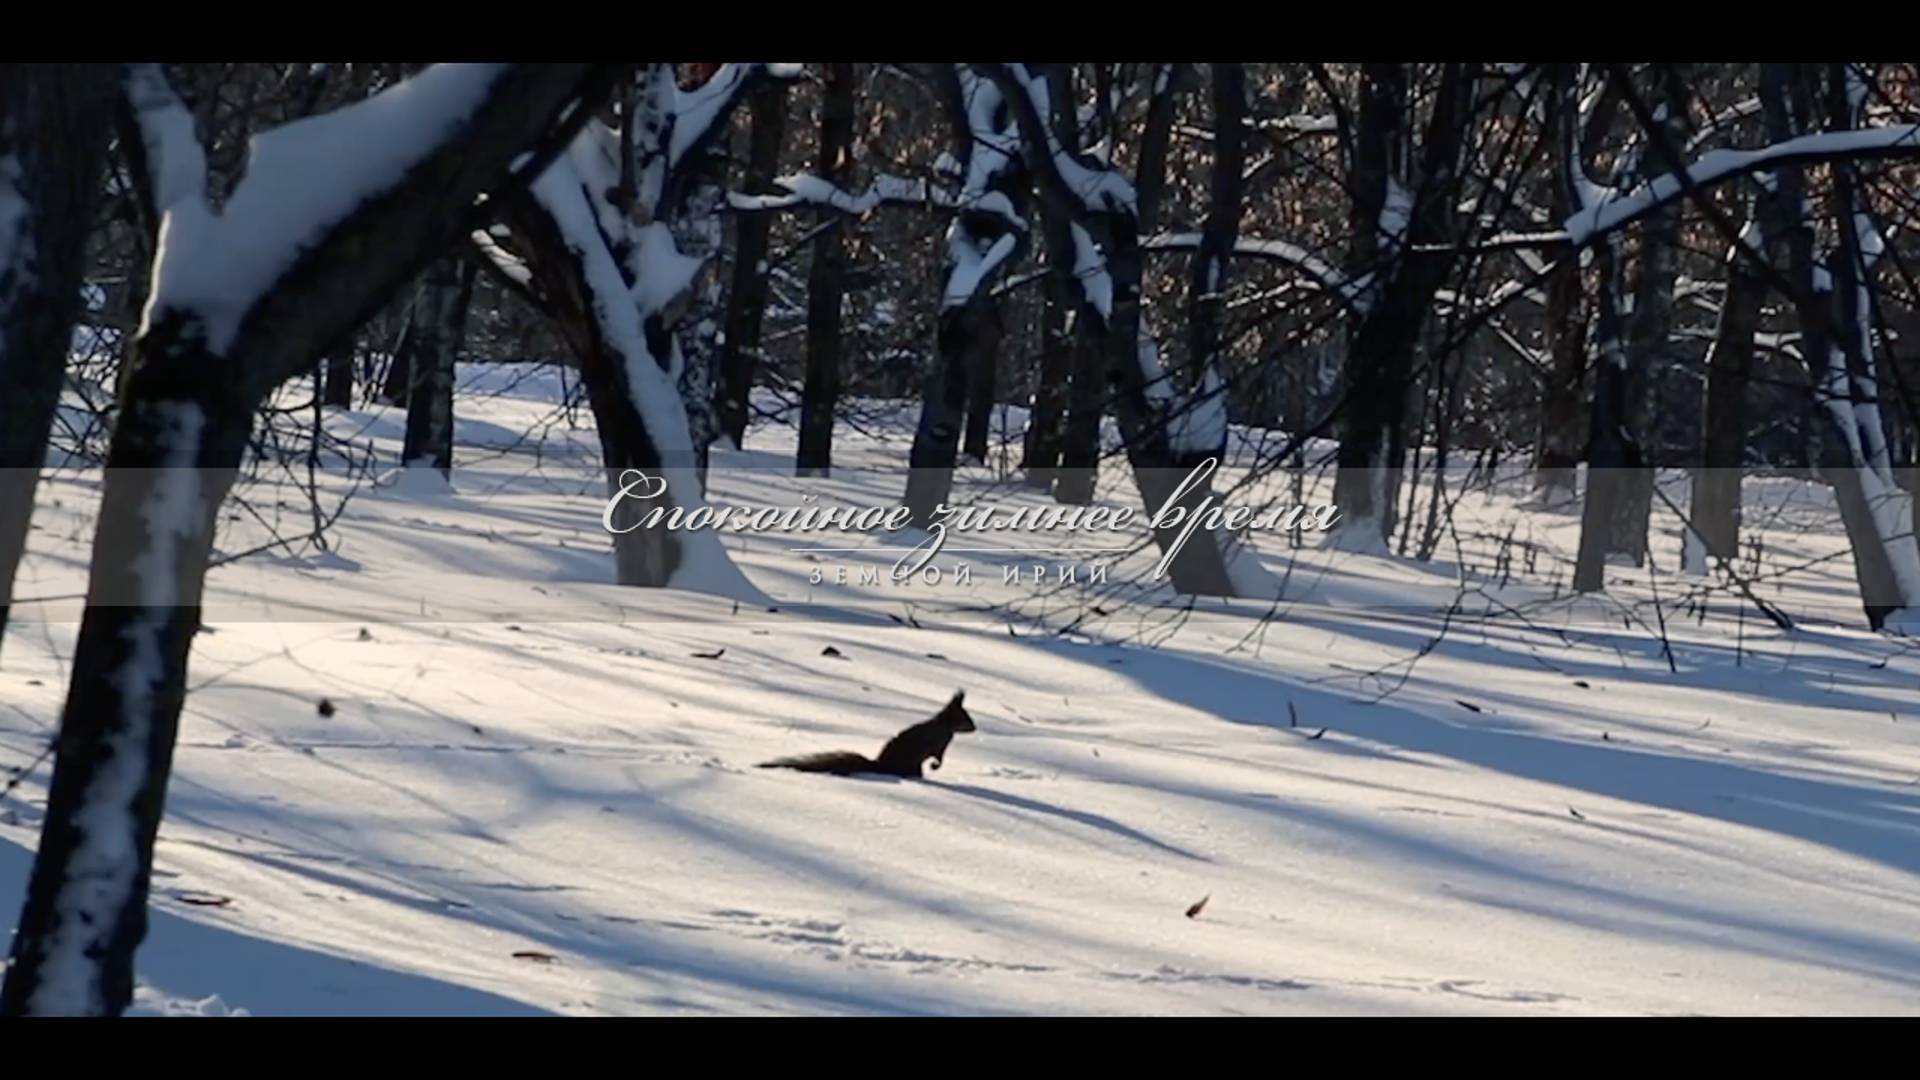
(53,124)
(747,299)
(1716,485)
(448,288)
(1380,357)
(1086,407)
(1841,371)
(1561,439)
(1046,413)
(826,281)
(965,332)
(1649,343)
(982,369)
(1612,453)
(399,377)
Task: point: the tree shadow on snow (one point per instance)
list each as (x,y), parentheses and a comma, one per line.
(193,961)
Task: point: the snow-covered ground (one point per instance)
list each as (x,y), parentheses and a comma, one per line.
(535,792)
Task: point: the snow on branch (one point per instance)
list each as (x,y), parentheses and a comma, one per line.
(1100,189)
(1322,274)
(808,190)
(176,163)
(302,179)
(699,111)
(511,266)
(1614,211)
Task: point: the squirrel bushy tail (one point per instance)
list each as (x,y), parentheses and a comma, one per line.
(839,763)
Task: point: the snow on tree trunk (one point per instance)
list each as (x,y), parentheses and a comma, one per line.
(1832,293)
(988,233)
(602,258)
(238,300)
(53,124)
(176,449)
(1104,213)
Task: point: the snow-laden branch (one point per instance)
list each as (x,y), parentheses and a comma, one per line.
(1099,188)
(302,179)
(511,266)
(976,251)
(697,112)
(1609,211)
(1321,273)
(808,190)
(176,163)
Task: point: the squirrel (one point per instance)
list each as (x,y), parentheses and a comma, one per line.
(903,754)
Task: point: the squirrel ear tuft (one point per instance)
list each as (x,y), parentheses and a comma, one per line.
(958,695)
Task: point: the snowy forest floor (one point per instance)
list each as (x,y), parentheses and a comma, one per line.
(536,792)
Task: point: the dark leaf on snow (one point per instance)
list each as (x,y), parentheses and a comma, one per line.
(325,708)
(536,956)
(1468,705)
(714,655)
(1198,906)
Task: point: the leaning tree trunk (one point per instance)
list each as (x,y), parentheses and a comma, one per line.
(176,448)
(826,281)
(53,124)
(448,288)
(747,299)
(645,557)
